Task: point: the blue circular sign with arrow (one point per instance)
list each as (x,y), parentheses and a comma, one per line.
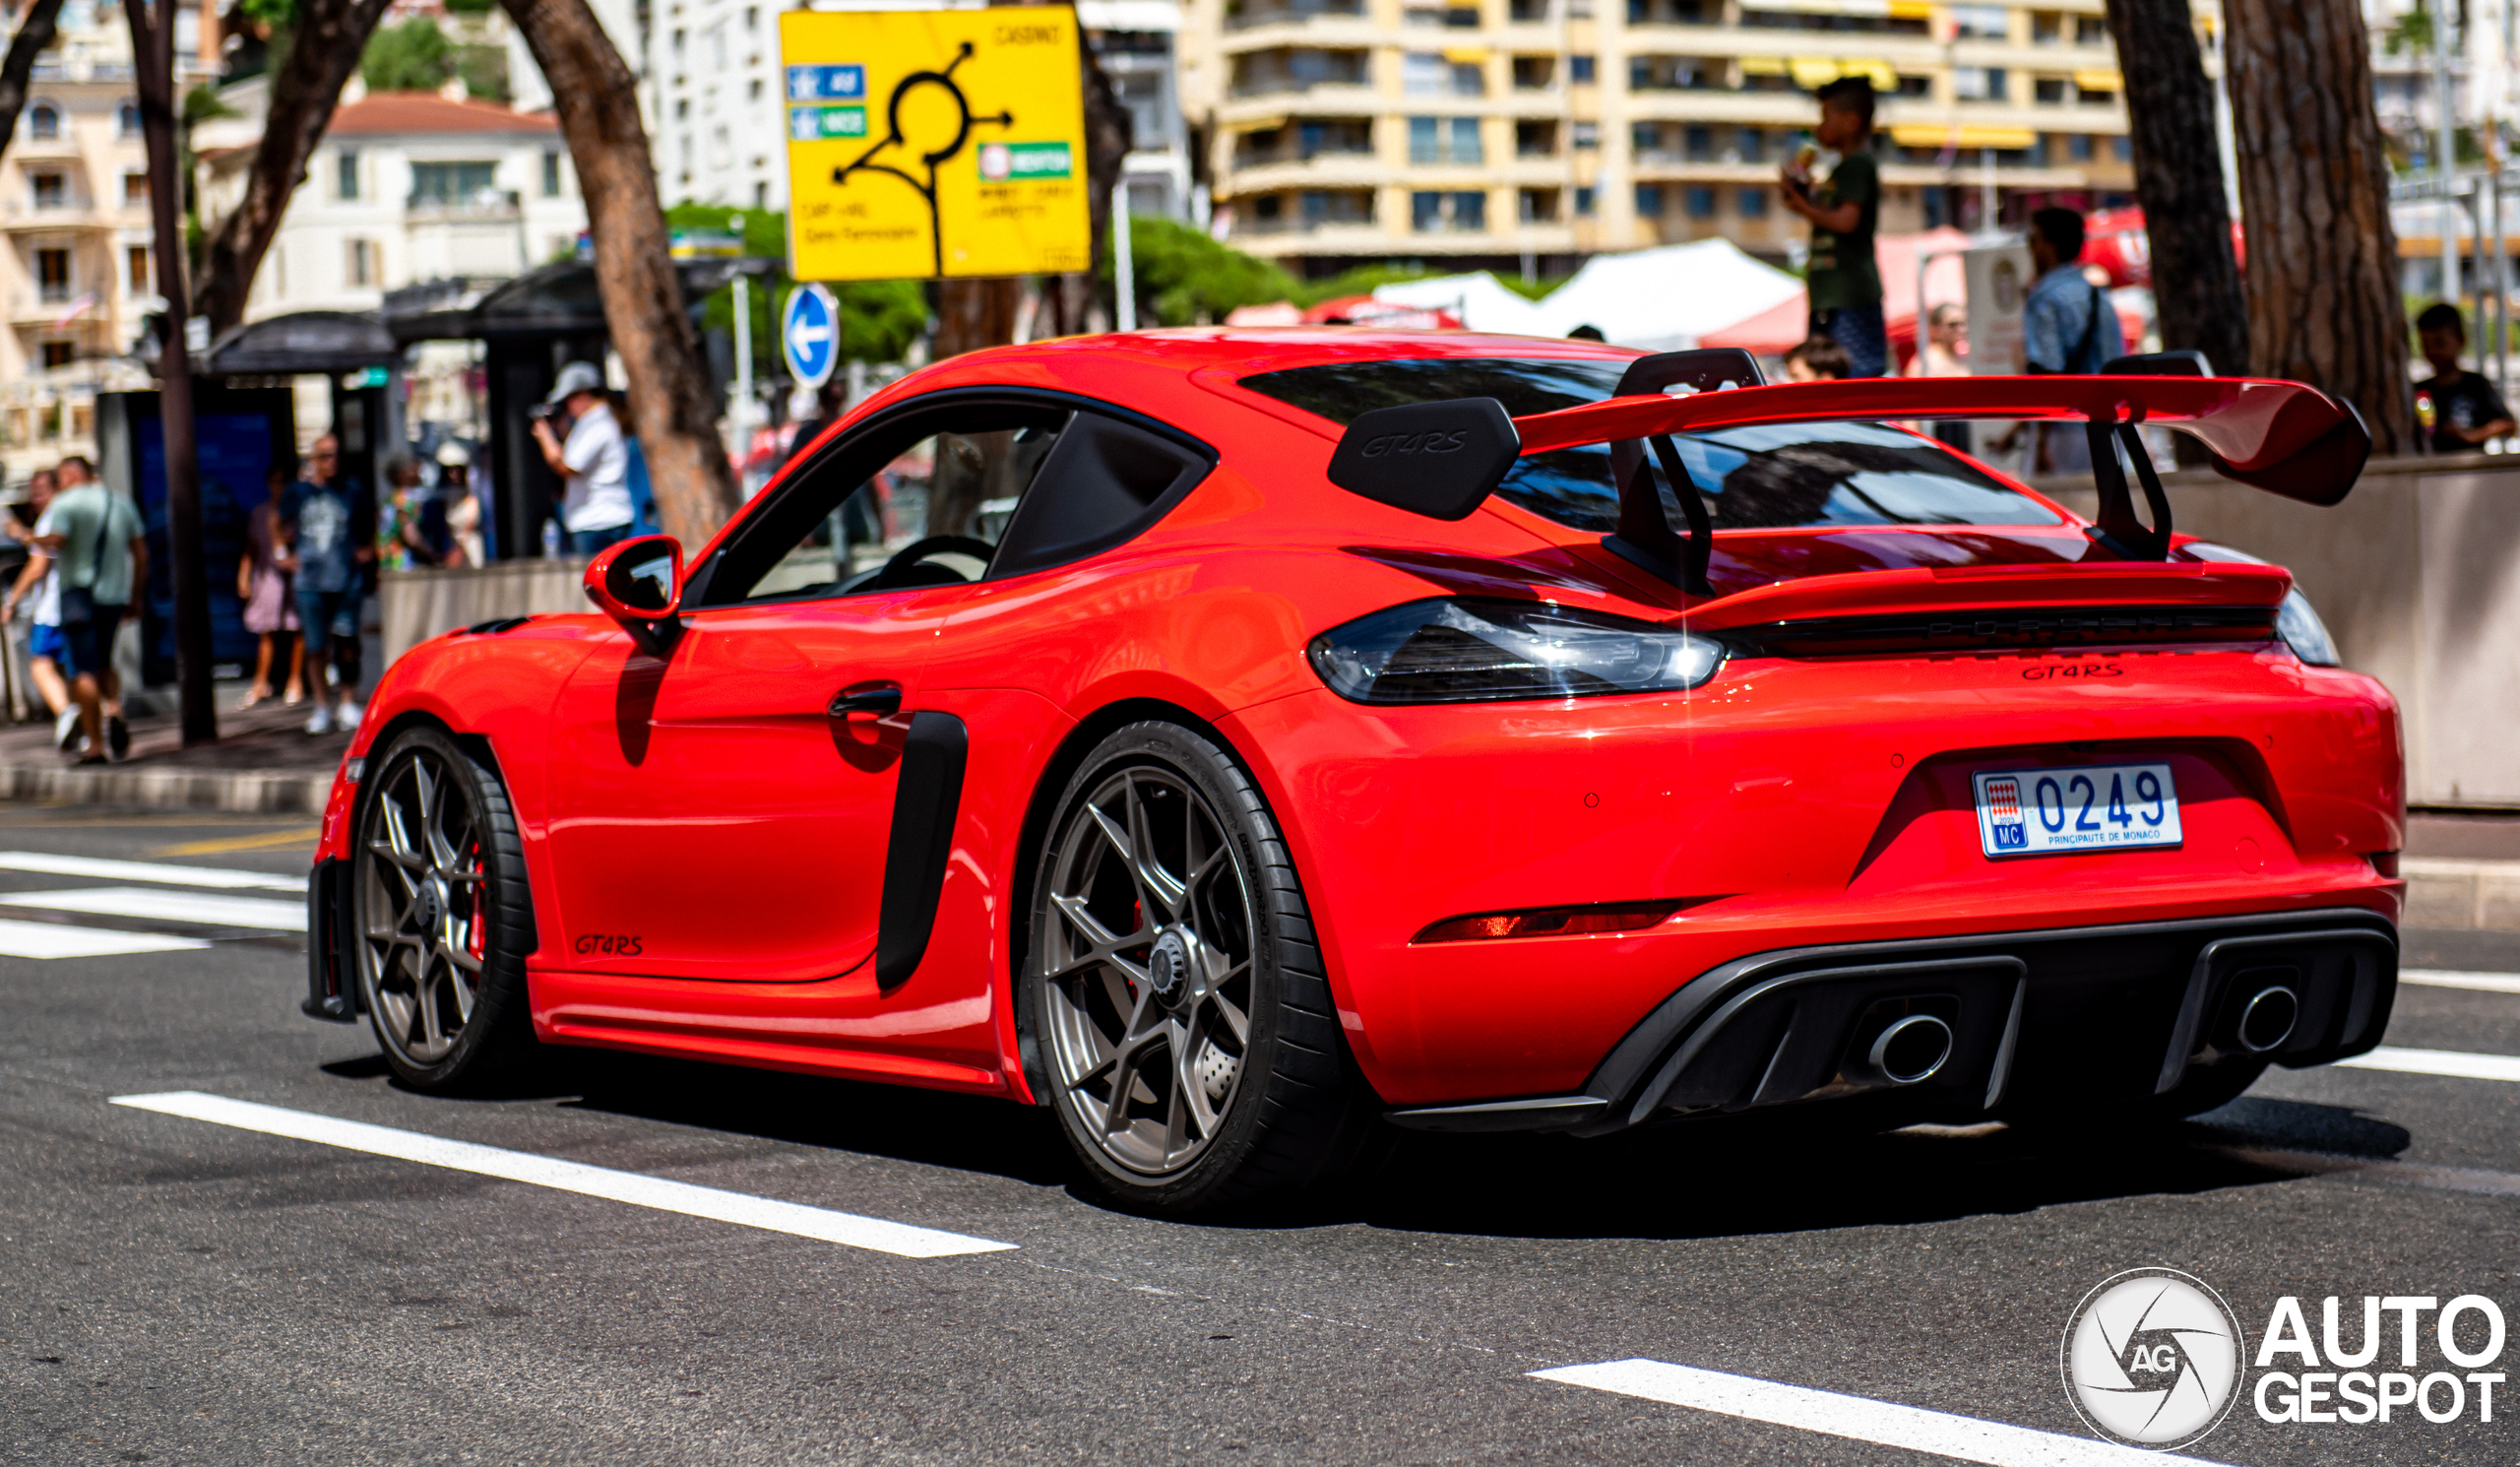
(809,334)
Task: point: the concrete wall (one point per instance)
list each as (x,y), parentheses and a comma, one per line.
(2416,574)
(415,605)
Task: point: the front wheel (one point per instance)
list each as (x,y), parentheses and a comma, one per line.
(1174,988)
(439,899)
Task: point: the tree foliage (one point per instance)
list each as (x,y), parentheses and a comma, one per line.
(418,56)
(878,319)
(1184,277)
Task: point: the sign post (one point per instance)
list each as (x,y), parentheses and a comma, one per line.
(809,335)
(934,144)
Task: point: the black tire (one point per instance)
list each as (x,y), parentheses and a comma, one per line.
(1294,1112)
(442,929)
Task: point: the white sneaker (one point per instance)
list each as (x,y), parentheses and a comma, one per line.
(65,730)
(321,720)
(349,715)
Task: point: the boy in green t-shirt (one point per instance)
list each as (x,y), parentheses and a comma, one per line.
(1844,280)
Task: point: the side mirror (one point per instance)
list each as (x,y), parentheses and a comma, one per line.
(1440,460)
(638,582)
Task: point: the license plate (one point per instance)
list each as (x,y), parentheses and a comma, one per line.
(2092,807)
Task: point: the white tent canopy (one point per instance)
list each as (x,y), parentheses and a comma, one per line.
(1664,299)
(1479,300)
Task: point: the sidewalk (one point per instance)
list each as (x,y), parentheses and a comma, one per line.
(264,761)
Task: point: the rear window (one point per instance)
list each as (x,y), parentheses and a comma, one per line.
(1767,477)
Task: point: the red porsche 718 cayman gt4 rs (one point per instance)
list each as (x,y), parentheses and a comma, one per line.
(1242,741)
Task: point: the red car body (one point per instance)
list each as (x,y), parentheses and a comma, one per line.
(706,846)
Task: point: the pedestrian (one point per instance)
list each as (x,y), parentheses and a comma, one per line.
(1843,279)
(1819,359)
(1938,355)
(596,508)
(2466,413)
(463,505)
(401,530)
(271,603)
(102,549)
(38,589)
(2066,326)
(322,549)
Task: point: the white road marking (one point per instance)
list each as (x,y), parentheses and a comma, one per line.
(167,906)
(49,864)
(1962,1437)
(856,1231)
(2452,1062)
(51,939)
(2483,982)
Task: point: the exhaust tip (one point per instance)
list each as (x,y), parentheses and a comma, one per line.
(2267,1019)
(1914,1049)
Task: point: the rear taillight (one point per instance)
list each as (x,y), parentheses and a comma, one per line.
(1480,650)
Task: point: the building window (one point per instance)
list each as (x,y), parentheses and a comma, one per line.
(1752,203)
(752,17)
(57,355)
(1537,206)
(2046,27)
(1580,69)
(760,195)
(1585,203)
(1534,73)
(1698,201)
(135,190)
(1444,140)
(1586,135)
(43,123)
(2095,96)
(2048,91)
(1648,201)
(1462,211)
(51,190)
(2091,31)
(2078,147)
(2123,148)
(682,109)
(135,264)
(1982,21)
(1534,139)
(752,89)
(452,183)
(127,119)
(550,172)
(1431,74)
(345,175)
(1752,145)
(53,275)
(1977,83)
(677,45)
(1700,143)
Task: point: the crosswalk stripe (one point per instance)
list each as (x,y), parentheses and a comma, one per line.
(52,939)
(880,1235)
(44,863)
(1962,1437)
(167,906)
(2450,1062)
(2483,982)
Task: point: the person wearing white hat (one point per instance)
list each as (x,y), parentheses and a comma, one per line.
(596,508)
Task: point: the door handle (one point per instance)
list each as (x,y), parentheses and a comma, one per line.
(881,699)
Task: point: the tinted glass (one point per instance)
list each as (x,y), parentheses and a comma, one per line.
(1766,477)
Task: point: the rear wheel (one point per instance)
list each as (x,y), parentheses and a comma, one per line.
(438,893)
(1174,989)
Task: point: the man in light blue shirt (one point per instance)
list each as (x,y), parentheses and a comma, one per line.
(2066,326)
(100,547)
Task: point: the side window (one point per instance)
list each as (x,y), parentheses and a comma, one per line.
(961,493)
(920,502)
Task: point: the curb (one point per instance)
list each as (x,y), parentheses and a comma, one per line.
(2477,895)
(168,788)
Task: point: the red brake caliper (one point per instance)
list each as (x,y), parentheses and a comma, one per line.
(477,929)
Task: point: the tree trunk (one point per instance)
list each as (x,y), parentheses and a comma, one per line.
(975,313)
(34,33)
(323,51)
(2323,302)
(152,54)
(2179,179)
(671,399)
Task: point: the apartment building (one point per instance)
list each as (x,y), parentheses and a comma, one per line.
(78,275)
(1497,132)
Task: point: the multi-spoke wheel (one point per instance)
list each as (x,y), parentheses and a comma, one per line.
(438,888)
(1173,991)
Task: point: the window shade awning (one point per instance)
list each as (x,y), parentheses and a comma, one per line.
(1943,135)
(2099,79)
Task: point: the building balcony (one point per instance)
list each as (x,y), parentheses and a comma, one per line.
(1250,14)
(488,205)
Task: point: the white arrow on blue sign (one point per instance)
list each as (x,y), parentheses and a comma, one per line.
(809,334)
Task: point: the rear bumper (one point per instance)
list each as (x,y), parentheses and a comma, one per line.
(2056,1019)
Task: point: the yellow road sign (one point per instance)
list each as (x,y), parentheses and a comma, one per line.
(935,143)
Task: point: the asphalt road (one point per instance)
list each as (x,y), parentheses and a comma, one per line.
(175,1290)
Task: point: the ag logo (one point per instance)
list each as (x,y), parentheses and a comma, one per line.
(2152,1359)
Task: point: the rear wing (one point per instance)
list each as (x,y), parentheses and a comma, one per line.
(1443,459)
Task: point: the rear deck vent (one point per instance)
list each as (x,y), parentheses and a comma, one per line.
(2094,626)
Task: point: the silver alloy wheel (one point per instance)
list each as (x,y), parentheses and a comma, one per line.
(1146,969)
(421,898)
